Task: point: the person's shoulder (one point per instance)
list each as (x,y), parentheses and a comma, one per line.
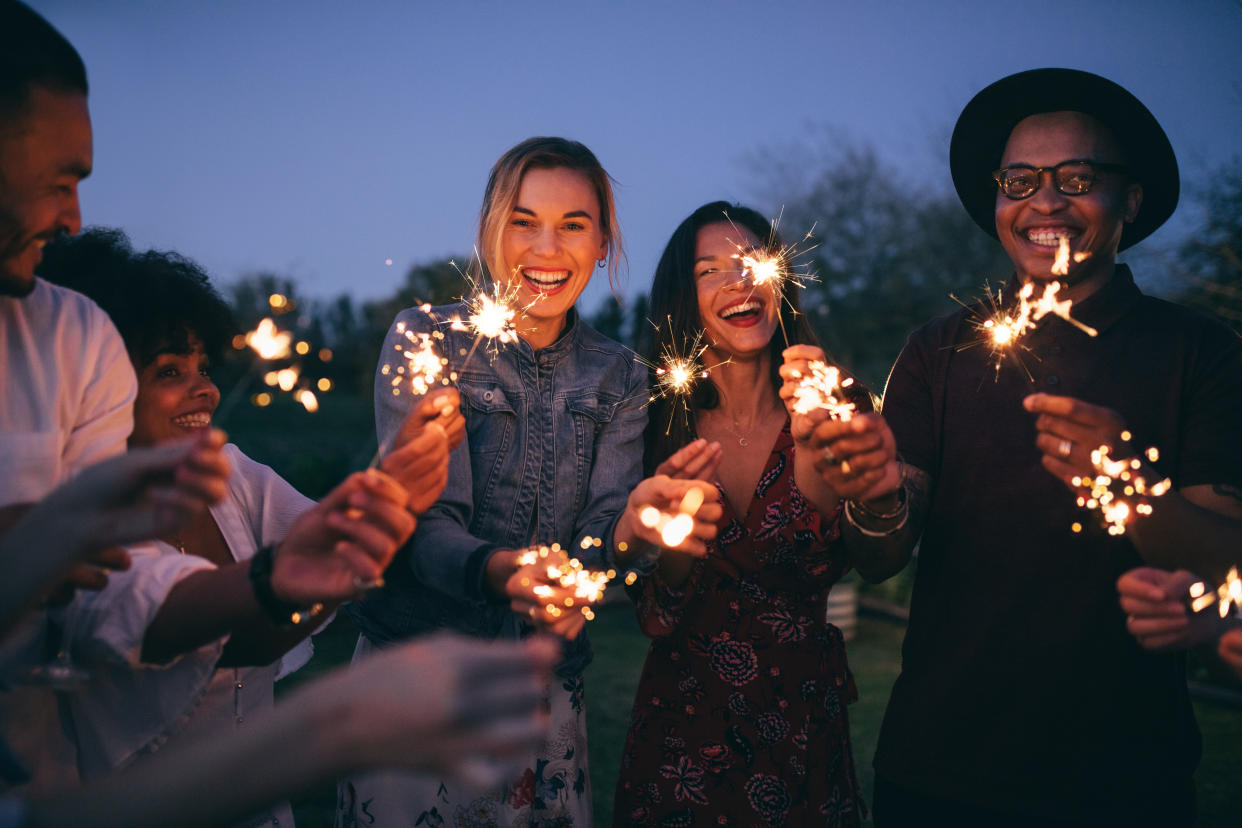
(588,337)
(944,329)
(1196,322)
(57,302)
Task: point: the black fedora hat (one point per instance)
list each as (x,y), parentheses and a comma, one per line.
(983,129)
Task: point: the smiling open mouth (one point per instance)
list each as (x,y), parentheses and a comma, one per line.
(1049,236)
(742,311)
(546,281)
(200,420)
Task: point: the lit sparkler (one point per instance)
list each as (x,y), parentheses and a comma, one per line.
(677,373)
(778,269)
(568,573)
(673,528)
(821,389)
(1227,596)
(1004,328)
(490,317)
(270,343)
(423,366)
(1119,491)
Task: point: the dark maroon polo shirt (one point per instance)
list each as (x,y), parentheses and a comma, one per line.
(1020,687)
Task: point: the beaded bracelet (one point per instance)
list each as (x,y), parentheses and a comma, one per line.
(281,613)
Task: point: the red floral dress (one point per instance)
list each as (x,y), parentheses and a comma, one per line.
(740,715)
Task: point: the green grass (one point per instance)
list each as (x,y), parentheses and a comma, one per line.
(875,658)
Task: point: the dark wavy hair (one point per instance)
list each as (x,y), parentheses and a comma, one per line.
(156,299)
(33,53)
(674,310)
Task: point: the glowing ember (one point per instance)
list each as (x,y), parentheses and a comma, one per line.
(1227,596)
(1060,267)
(821,389)
(568,573)
(1118,490)
(673,528)
(268,341)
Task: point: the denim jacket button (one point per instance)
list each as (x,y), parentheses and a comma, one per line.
(487,395)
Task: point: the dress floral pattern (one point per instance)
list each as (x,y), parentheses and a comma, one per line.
(740,715)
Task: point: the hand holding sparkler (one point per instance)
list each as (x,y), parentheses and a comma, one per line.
(1157,614)
(348,537)
(554,591)
(419,460)
(672,514)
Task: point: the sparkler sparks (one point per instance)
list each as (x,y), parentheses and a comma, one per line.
(423,365)
(1227,596)
(568,573)
(821,389)
(1004,328)
(1119,491)
(677,373)
(270,343)
(779,269)
(674,528)
(490,317)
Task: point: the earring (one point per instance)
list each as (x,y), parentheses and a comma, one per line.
(602,263)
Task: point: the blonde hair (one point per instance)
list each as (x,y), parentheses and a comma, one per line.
(542,153)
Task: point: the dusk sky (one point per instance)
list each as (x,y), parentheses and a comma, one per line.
(319,139)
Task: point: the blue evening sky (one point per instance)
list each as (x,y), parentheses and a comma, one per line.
(319,139)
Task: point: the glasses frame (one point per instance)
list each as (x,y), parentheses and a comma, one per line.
(1101,166)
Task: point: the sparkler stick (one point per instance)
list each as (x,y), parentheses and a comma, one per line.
(1118,491)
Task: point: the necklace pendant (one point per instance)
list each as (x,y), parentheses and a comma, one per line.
(743,442)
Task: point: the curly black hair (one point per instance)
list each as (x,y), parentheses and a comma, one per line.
(156,299)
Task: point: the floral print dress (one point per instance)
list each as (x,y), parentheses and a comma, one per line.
(740,715)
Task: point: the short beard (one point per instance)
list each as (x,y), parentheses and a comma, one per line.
(11,246)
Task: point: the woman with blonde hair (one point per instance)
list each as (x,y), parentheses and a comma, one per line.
(552,453)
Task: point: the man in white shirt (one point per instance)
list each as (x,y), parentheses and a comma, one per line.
(68,383)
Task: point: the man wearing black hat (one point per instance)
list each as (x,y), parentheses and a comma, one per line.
(1022,699)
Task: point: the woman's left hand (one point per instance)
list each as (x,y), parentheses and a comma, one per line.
(534,595)
(671,499)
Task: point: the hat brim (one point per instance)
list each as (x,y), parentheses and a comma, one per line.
(984,126)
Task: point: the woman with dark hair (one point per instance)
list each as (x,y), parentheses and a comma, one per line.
(740,713)
(552,454)
(192,637)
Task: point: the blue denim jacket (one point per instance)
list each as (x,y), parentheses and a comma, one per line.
(553,448)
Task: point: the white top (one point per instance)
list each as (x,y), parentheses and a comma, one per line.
(67,400)
(69,390)
(130,710)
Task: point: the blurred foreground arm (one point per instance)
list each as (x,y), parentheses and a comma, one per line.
(444,704)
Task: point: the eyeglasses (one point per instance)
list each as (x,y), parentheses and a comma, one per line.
(1075,177)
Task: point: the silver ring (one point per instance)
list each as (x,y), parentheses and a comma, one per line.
(829,457)
(1064,448)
